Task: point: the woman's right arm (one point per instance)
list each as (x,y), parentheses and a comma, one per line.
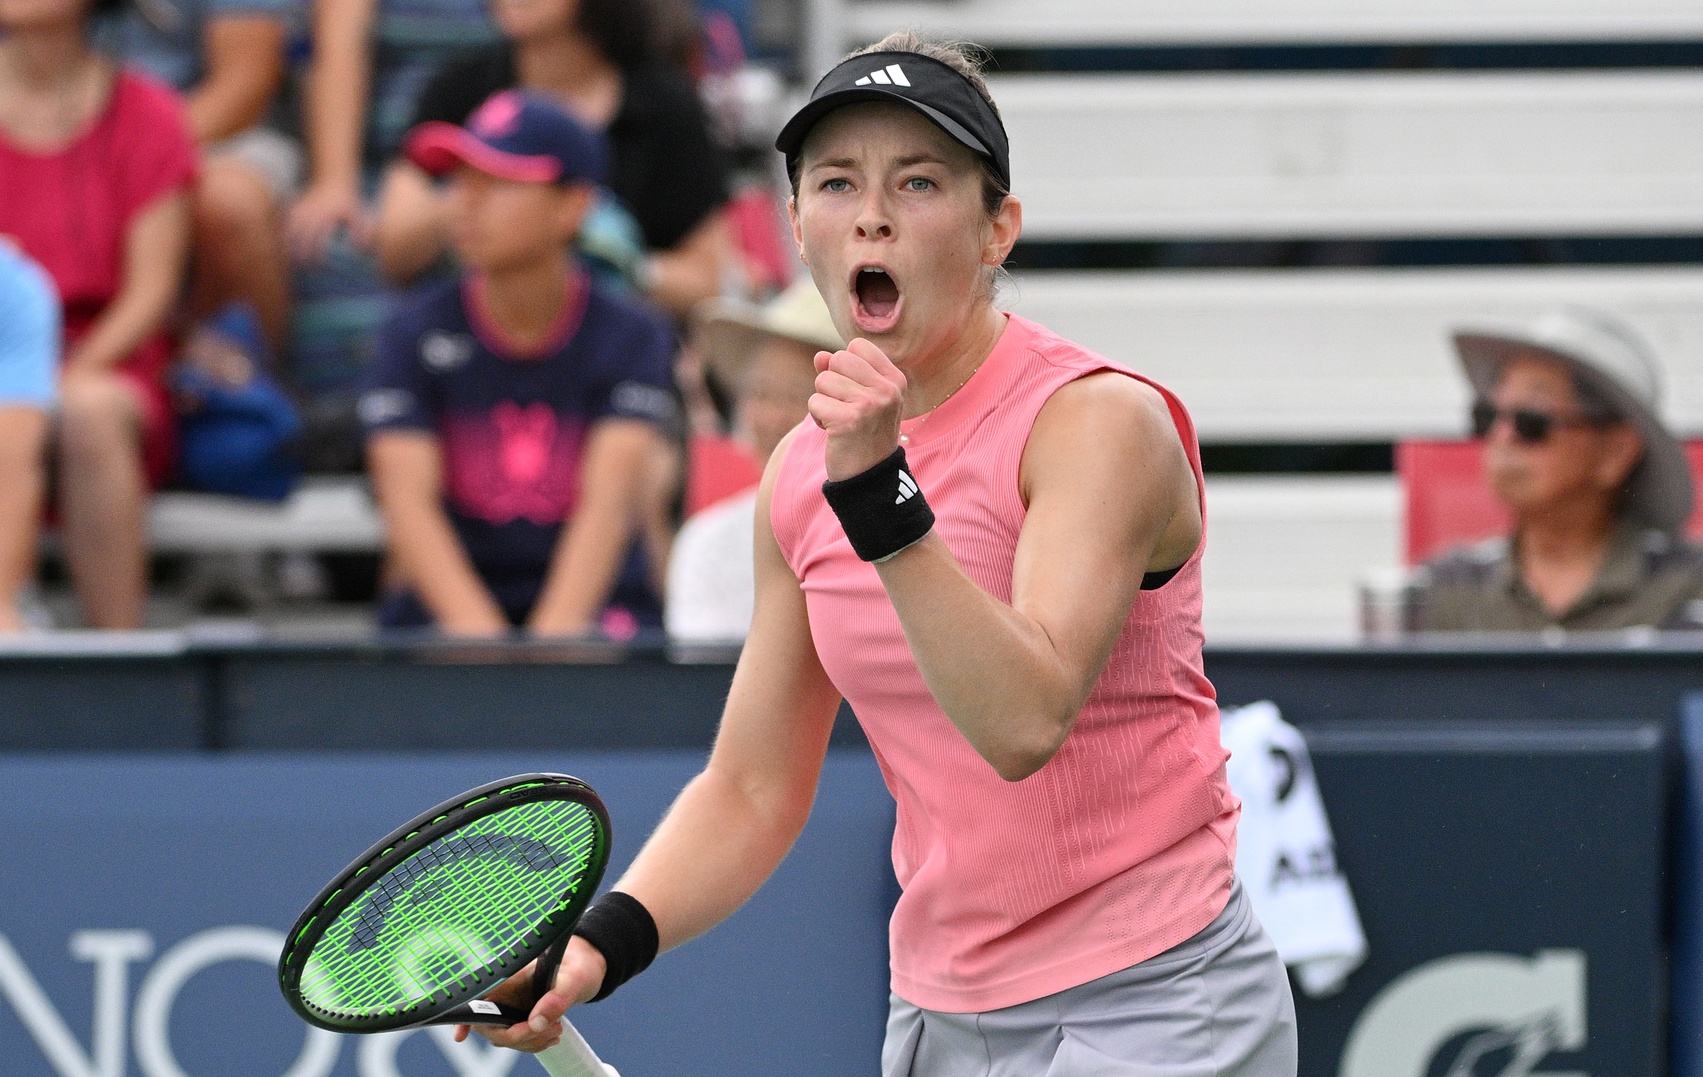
(732,825)
(156,252)
(335,112)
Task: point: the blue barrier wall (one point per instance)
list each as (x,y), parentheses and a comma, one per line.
(1521,854)
(161,691)
(1687,899)
(143,900)
(1510,881)
(102,703)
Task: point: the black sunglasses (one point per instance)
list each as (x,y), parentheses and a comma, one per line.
(1531,426)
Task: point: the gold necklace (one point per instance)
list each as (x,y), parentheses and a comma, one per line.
(905,438)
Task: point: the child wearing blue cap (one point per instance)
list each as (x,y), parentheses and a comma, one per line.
(512,412)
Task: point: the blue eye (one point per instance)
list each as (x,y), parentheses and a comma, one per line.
(836,185)
(919,183)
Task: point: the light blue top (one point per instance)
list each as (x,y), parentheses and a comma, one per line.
(29,332)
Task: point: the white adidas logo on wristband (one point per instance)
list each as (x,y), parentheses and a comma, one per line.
(891,75)
(907,488)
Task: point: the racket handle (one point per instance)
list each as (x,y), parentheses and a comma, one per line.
(573,1057)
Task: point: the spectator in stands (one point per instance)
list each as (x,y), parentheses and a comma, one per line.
(512,410)
(370,60)
(764,358)
(227,58)
(29,360)
(1599,490)
(591,56)
(96,165)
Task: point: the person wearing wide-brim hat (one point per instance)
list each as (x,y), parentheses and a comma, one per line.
(1599,490)
(761,356)
(736,336)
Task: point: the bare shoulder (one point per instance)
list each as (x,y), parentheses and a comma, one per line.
(1107,394)
(1107,417)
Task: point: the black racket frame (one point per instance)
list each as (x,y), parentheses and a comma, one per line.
(450,1006)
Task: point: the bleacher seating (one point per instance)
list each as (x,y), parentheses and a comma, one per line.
(1333,355)
(1314,355)
(1118,22)
(1286,554)
(331,514)
(1346,355)
(1115,156)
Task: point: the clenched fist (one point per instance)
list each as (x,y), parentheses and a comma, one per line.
(859,400)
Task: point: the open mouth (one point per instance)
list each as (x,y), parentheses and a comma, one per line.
(875,299)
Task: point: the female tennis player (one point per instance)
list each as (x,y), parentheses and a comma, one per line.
(988,540)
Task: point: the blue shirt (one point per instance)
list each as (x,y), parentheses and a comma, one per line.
(513,427)
(29,332)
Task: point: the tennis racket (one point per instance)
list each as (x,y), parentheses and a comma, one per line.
(448,906)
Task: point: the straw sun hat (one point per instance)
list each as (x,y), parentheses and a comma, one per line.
(1613,359)
(731,332)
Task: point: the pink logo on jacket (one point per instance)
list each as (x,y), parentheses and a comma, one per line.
(516,462)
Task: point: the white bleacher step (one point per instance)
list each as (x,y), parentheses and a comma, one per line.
(1285,554)
(1345,355)
(330,514)
(1155,157)
(1265,22)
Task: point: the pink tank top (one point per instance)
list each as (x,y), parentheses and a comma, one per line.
(1122,845)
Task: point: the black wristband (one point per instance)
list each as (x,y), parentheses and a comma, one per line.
(624,933)
(882,509)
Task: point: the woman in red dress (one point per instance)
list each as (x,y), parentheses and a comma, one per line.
(95,167)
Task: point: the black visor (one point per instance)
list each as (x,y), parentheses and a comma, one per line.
(929,86)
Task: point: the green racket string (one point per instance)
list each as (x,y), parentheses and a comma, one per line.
(459,906)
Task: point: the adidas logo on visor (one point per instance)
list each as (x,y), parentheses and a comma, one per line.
(907,488)
(891,75)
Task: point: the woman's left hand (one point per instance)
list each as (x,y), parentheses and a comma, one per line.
(316,217)
(859,400)
(578,978)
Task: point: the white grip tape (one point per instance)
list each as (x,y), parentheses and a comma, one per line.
(573,1057)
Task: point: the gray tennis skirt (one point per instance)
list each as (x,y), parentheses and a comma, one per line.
(1216,1005)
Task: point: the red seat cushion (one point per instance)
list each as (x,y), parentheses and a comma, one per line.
(1449,503)
(718,467)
